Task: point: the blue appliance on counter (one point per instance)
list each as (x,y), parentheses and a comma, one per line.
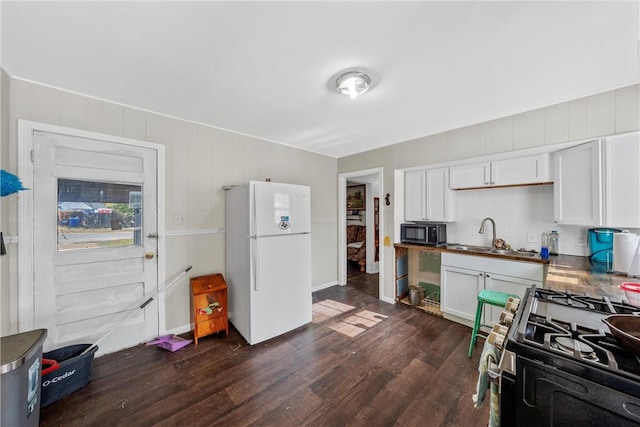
(601,244)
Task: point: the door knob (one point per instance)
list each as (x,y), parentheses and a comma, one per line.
(148,255)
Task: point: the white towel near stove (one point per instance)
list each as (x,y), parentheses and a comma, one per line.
(489,355)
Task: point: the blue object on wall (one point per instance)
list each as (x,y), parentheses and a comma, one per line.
(9,183)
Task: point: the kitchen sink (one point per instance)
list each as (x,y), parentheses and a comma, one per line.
(488,250)
(512,253)
(470,248)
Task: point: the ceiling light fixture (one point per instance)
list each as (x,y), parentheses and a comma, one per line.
(353,84)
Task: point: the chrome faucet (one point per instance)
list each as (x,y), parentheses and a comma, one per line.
(481,231)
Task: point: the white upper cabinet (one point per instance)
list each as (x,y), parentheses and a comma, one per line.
(598,183)
(523,170)
(517,171)
(414,200)
(427,196)
(470,176)
(622,181)
(577,191)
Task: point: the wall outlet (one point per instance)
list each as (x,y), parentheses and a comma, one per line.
(580,239)
(179,219)
(532,237)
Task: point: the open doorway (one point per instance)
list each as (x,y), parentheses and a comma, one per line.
(360,230)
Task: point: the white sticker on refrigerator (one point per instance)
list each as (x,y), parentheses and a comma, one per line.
(284,222)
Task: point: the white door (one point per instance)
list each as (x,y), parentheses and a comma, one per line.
(94,240)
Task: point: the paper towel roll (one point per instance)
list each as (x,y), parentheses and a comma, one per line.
(624,249)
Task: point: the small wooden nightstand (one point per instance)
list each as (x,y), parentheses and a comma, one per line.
(209,305)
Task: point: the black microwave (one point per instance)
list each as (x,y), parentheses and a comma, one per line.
(423,234)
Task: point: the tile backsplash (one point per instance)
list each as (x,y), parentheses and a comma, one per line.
(518,212)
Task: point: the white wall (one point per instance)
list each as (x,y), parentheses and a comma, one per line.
(200,160)
(615,111)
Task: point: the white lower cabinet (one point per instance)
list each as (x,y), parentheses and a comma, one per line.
(459,288)
(464,276)
(507,284)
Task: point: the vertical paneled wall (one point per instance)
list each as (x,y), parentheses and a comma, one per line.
(200,160)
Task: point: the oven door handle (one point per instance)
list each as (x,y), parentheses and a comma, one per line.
(494,373)
(508,362)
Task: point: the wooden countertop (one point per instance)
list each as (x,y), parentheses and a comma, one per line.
(578,275)
(575,274)
(451,248)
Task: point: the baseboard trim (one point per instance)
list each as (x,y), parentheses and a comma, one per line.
(179,330)
(324,286)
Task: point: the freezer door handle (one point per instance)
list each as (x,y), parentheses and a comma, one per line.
(254,247)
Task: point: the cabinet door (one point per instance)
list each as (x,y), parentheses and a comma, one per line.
(523,170)
(577,191)
(438,206)
(414,196)
(459,291)
(507,284)
(622,178)
(470,176)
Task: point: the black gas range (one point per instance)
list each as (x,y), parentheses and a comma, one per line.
(562,367)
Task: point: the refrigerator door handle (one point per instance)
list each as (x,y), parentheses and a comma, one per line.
(254,247)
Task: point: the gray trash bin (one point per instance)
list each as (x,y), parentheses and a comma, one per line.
(21,366)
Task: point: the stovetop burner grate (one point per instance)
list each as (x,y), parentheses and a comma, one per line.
(601,304)
(571,326)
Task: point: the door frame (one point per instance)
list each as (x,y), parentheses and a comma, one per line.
(377,174)
(26,285)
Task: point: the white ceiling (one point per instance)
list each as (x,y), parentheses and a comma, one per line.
(268,69)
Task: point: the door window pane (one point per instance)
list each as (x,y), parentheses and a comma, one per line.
(98,214)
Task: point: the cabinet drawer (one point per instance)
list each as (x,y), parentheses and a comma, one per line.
(210,326)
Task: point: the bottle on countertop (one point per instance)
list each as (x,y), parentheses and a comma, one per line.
(553,242)
(544,246)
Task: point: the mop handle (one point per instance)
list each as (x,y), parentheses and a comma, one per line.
(143,305)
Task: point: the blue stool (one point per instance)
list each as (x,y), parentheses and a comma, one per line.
(499,299)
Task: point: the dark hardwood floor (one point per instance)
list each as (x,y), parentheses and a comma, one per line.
(361,362)
(367,283)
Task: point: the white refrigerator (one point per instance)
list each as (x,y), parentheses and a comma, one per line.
(268,258)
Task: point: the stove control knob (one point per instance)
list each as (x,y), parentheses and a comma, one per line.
(500,329)
(512,304)
(506,318)
(496,339)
